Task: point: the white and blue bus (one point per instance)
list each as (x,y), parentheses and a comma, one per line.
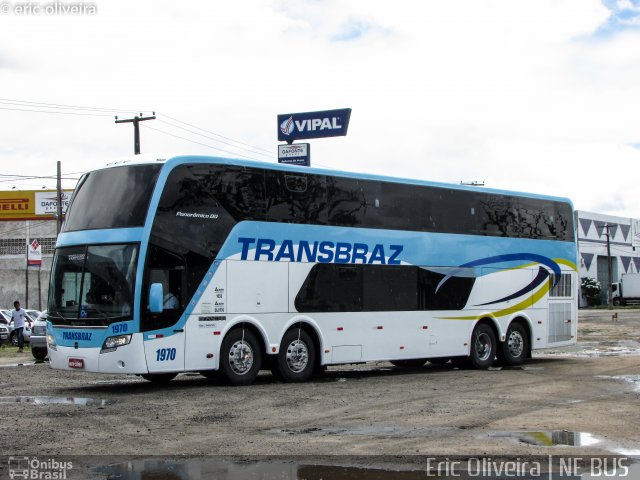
(227,267)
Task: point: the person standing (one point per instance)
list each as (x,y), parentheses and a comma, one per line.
(18,316)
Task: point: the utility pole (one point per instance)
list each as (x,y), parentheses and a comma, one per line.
(136,129)
(59,197)
(26,270)
(609,268)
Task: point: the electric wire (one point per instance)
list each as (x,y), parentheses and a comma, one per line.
(216,134)
(254,151)
(199,143)
(78,110)
(10,101)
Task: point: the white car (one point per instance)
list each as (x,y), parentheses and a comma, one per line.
(39,337)
(5,319)
(4,332)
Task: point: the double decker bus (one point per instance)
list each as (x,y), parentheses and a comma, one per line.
(227,267)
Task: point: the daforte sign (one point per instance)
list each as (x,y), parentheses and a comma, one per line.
(299,126)
(296,154)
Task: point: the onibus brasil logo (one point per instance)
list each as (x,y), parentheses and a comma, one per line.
(34,468)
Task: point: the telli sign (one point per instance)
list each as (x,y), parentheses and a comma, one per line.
(327,123)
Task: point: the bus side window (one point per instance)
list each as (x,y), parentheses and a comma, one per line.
(167,269)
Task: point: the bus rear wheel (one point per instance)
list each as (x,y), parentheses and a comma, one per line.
(483,347)
(297,357)
(240,357)
(514,349)
(159,377)
(412,363)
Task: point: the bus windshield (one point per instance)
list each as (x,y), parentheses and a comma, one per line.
(100,196)
(93,285)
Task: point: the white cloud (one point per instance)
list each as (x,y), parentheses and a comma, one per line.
(523,95)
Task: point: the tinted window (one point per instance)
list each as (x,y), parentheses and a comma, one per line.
(112,198)
(375,288)
(296,197)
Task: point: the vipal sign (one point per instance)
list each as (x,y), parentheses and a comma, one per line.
(328,123)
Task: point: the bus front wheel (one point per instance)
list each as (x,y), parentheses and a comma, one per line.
(483,347)
(297,357)
(240,357)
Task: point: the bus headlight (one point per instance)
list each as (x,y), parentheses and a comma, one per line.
(51,342)
(111,343)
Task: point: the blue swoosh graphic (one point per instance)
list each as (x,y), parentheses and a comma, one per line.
(510,257)
(540,278)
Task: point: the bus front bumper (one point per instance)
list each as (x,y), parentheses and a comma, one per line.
(126,359)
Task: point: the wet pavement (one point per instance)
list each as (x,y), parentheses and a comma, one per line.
(79,401)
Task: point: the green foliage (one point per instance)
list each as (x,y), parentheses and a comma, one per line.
(591,290)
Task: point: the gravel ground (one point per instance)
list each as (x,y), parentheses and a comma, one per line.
(589,395)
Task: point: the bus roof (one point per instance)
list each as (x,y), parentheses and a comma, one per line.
(180,159)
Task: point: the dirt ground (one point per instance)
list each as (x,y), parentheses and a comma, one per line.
(589,395)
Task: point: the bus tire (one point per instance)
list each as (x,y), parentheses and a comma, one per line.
(513,351)
(483,347)
(297,357)
(159,378)
(240,357)
(412,363)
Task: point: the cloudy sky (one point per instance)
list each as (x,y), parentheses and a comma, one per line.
(538,95)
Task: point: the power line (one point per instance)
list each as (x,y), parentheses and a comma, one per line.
(57,113)
(34,177)
(11,101)
(253,150)
(199,143)
(216,134)
(23,228)
(78,110)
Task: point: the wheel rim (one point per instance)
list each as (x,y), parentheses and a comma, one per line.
(483,347)
(515,343)
(240,357)
(297,356)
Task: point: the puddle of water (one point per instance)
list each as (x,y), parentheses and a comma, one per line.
(598,349)
(83,402)
(115,382)
(634,380)
(373,431)
(551,438)
(23,364)
(227,469)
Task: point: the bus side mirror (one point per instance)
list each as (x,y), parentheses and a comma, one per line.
(156,298)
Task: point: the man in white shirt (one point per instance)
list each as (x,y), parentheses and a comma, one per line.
(18,316)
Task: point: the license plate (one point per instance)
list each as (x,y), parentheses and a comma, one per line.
(76,363)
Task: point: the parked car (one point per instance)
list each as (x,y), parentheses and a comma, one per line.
(33,314)
(4,333)
(38,338)
(13,337)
